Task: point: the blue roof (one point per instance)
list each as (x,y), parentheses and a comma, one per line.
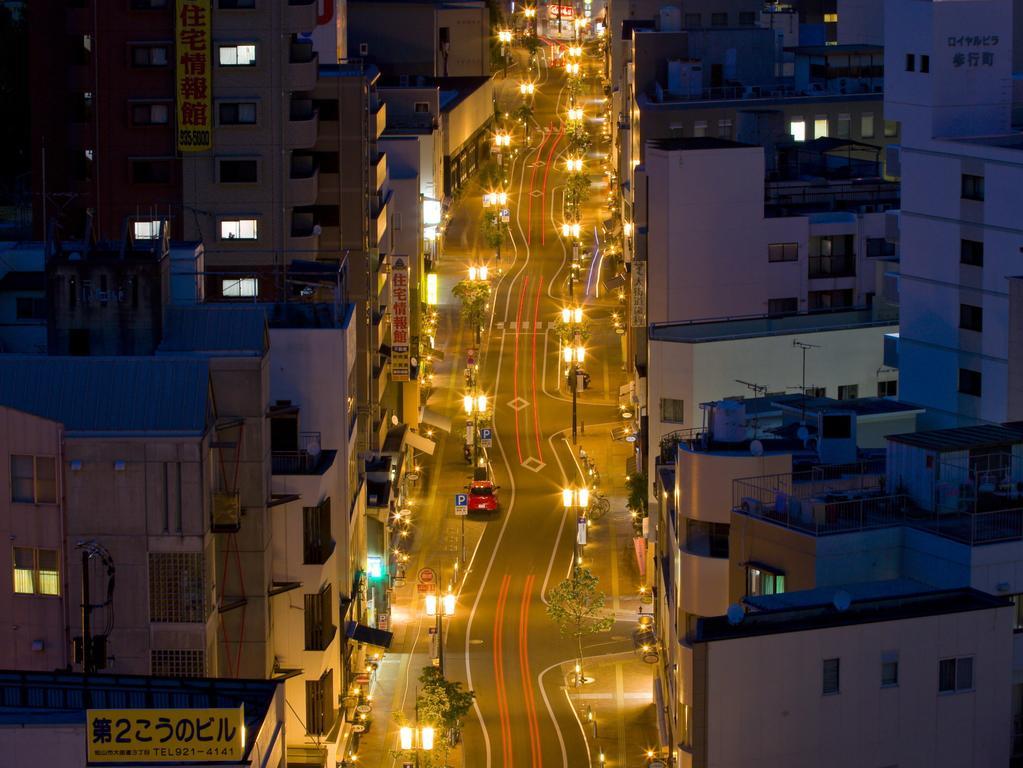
(109,394)
(215,329)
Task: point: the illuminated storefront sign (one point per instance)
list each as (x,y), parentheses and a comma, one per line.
(143,736)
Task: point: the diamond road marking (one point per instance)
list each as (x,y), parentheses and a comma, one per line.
(536,193)
(533,464)
(518,404)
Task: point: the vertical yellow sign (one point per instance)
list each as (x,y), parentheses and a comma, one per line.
(194,68)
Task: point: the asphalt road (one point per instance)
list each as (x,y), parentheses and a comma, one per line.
(501,642)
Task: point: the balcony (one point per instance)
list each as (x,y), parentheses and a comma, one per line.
(300,15)
(822,267)
(303,67)
(378,221)
(303,125)
(305,235)
(304,180)
(379,118)
(378,172)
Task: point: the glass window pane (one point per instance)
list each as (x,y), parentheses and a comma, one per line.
(46,480)
(22,481)
(946,675)
(24,566)
(964,673)
(798,130)
(49,574)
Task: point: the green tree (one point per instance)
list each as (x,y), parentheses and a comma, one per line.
(577,189)
(475,298)
(636,484)
(442,703)
(577,606)
(569,331)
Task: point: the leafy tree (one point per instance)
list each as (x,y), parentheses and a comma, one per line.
(577,606)
(475,298)
(440,702)
(577,189)
(569,331)
(636,484)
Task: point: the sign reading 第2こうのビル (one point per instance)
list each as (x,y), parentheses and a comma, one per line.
(165,735)
(399,319)
(194,69)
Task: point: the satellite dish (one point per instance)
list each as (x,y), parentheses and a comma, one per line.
(802,433)
(756,448)
(317,230)
(842,600)
(735,614)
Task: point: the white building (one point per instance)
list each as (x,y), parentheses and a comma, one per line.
(949,69)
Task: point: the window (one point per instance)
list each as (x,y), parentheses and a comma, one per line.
(830,18)
(971,253)
(782,252)
(707,539)
(421,107)
(955,674)
(797,129)
(910,62)
(693,20)
(235,4)
(29,308)
(319,704)
(816,391)
(848,391)
(725,129)
(830,677)
(319,626)
(237,113)
(837,299)
(867,125)
(788,306)
(146,230)
(36,571)
(239,287)
(238,171)
(972,187)
(672,410)
(700,128)
(820,126)
(1017,604)
(691,622)
(178,663)
(761,580)
(843,127)
(971,318)
(747,18)
(317,543)
(888,388)
(150,55)
(889,669)
(238,229)
(237,55)
(33,479)
(719,19)
(150,114)
(925,63)
(969,382)
(891,128)
(177,592)
(150,171)
(148,5)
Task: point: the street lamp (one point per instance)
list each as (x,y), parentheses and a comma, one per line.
(572,315)
(572,68)
(575,164)
(418,738)
(572,230)
(505,38)
(575,114)
(478,273)
(574,356)
(438,609)
(577,499)
(527,89)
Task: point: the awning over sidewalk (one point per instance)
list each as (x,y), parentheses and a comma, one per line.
(369,635)
(434,419)
(420,443)
(640,546)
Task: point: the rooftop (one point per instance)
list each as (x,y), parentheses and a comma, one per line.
(690,143)
(961,438)
(753,326)
(861,406)
(820,612)
(90,395)
(235,329)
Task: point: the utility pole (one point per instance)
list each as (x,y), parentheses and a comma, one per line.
(88,663)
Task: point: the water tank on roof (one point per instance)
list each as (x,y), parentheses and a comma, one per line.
(728,421)
(669,18)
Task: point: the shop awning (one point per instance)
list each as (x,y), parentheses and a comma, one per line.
(434,419)
(420,443)
(360,633)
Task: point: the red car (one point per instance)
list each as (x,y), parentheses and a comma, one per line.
(483,496)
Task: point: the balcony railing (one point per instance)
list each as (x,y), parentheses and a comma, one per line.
(305,461)
(832,266)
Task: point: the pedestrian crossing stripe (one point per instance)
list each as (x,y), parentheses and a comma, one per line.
(523,326)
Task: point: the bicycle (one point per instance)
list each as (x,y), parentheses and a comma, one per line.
(600,505)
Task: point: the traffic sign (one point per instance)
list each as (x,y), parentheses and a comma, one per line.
(486,437)
(427,576)
(470,356)
(461,504)
(425,588)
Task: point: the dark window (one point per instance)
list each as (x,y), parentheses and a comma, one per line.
(78,342)
(969,382)
(673,410)
(148,5)
(239,171)
(747,18)
(150,171)
(888,388)
(319,629)
(30,308)
(971,253)
(327,109)
(971,318)
(238,113)
(955,674)
(878,247)
(693,20)
(150,114)
(836,426)
(832,256)
(782,252)
(848,391)
(707,539)
(328,162)
(319,704)
(830,677)
(830,299)
(1017,607)
(889,670)
(283,434)
(910,62)
(317,543)
(719,19)
(925,63)
(421,107)
(788,306)
(327,215)
(150,55)
(972,187)
(232,4)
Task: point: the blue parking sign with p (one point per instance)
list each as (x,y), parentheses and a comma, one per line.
(486,437)
(461,503)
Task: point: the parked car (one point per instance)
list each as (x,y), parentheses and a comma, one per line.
(483,496)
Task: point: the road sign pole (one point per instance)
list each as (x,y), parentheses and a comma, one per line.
(462,547)
(575,389)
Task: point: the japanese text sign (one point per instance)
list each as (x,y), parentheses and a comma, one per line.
(973,58)
(399,318)
(165,735)
(193,68)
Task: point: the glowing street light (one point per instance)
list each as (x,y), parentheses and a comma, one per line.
(504,36)
(572,68)
(527,89)
(419,737)
(502,140)
(575,114)
(575,51)
(572,229)
(574,164)
(571,315)
(627,228)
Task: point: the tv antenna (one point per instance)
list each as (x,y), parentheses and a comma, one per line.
(759,390)
(802,345)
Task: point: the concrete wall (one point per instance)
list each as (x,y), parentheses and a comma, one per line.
(469,49)
(471,114)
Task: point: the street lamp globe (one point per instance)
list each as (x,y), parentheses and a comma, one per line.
(472,274)
(467,403)
(405,737)
(483,272)
(426,737)
(431,605)
(578,314)
(584,497)
(568,354)
(481,403)
(449,604)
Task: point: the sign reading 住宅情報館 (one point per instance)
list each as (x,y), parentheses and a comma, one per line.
(193,67)
(143,736)
(399,318)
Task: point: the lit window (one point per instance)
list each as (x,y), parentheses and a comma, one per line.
(830,18)
(240,288)
(700,128)
(761,580)
(867,125)
(240,55)
(820,126)
(238,229)
(147,230)
(797,129)
(36,571)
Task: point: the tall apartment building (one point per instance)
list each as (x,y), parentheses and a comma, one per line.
(950,73)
